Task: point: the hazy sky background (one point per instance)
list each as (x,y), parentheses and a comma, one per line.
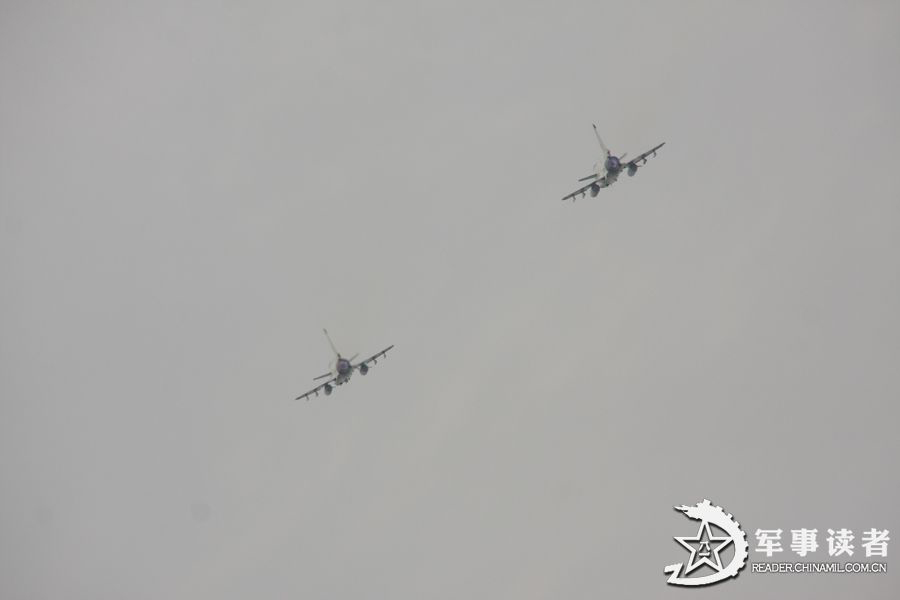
(189,193)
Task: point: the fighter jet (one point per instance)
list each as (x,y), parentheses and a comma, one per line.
(607,170)
(341,370)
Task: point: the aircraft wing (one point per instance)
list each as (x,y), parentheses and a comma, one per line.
(642,158)
(374,358)
(602,182)
(315,390)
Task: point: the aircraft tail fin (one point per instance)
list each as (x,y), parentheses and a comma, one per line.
(599,139)
(330,343)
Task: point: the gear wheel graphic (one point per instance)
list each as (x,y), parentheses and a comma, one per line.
(707,513)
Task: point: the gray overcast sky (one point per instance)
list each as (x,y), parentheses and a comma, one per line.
(188,193)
